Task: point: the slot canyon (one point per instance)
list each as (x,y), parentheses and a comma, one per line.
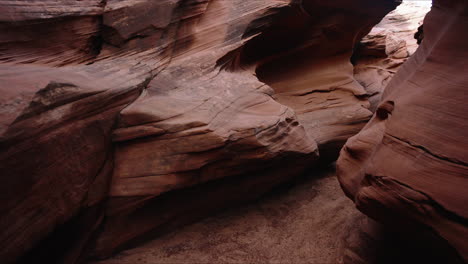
(233,131)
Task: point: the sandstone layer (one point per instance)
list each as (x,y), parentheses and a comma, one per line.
(383,51)
(121,119)
(408,166)
(305,57)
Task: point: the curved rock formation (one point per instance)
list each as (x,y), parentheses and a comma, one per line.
(408,166)
(115,122)
(383,51)
(305,58)
(70,139)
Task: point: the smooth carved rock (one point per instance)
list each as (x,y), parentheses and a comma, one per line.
(56,126)
(110,114)
(208,125)
(408,166)
(200,132)
(376,60)
(383,51)
(65,149)
(191,140)
(305,57)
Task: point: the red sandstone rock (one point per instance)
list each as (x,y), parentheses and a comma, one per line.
(305,58)
(56,126)
(108,109)
(381,53)
(408,166)
(200,132)
(60,127)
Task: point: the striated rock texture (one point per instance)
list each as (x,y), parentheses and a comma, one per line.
(380,54)
(408,166)
(376,60)
(116,124)
(56,156)
(305,58)
(109,123)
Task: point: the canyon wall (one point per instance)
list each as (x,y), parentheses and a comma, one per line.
(408,167)
(120,120)
(383,51)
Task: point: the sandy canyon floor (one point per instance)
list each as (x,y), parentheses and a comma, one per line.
(306,222)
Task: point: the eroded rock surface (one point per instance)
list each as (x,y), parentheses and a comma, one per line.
(408,166)
(383,51)
(69,137)
(113,112)
(305,58)
(56,156)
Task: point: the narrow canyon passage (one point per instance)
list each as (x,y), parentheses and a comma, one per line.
(307,222)
(233,131)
